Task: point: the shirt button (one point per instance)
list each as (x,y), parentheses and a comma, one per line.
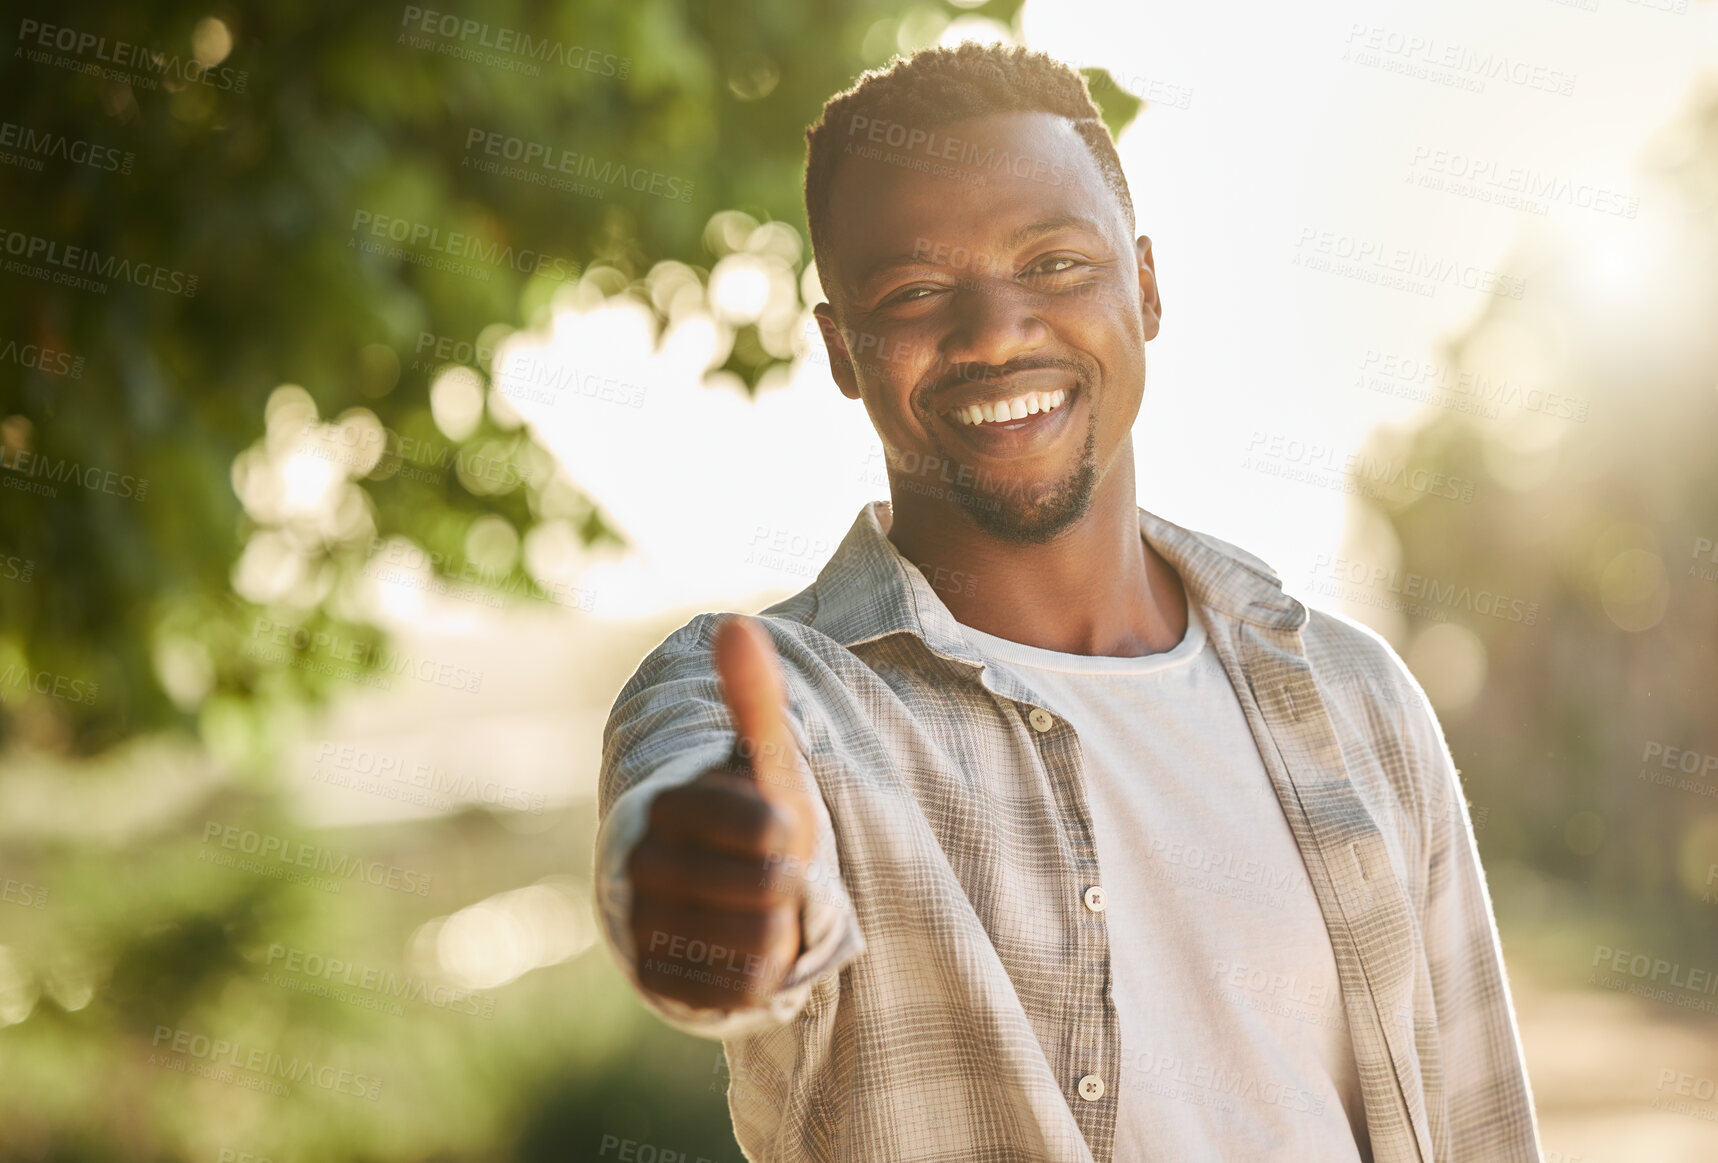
(1091,1088)
(1095,901)
(1040,719)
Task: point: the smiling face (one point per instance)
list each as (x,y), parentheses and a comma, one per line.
(995,326)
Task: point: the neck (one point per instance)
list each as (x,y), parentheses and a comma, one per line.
(1097,588)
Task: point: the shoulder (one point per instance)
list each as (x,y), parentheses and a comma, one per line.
(1359,663)
(1251,561)
(1371,694)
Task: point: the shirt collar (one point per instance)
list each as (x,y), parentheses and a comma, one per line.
(869,590)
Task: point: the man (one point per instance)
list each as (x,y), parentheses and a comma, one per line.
(1038,827)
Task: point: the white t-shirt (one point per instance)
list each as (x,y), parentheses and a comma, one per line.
(1234,1040)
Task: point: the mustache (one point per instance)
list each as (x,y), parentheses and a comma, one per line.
(955,375)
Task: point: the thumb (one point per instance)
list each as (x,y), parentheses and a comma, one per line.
(756,696)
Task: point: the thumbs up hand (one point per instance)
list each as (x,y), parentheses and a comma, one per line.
(716,884)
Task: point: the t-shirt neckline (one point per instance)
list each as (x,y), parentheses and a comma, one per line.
(1038,658)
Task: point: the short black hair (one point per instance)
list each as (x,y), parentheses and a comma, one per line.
(939,86)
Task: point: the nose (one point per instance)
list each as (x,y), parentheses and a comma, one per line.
(994,320)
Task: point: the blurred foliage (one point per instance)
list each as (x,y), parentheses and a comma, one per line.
(1118,106)
(262,178)
(1598,500)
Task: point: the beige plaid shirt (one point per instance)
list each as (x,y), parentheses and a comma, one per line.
(955,992)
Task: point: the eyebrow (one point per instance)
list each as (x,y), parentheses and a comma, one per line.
(1020,236)
(1043,226)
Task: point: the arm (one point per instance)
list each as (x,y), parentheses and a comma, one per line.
(717,884)
(1490,1101)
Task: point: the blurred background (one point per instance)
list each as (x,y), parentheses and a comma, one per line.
(379,384)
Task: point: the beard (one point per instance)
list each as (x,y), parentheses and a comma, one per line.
(1035,512)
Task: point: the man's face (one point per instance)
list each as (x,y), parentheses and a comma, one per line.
(1016,286)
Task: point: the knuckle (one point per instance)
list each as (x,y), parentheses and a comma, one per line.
(780,877)
(780,924)
(751,821)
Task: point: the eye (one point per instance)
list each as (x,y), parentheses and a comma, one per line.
(1049,266)
(912,294)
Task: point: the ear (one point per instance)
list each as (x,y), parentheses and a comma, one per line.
(1151,307)
(840,360)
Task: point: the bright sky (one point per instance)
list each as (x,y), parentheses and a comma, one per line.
(1281,135)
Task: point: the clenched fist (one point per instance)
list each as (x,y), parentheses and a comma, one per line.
(716,878)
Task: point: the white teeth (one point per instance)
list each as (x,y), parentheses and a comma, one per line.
(1018,408)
